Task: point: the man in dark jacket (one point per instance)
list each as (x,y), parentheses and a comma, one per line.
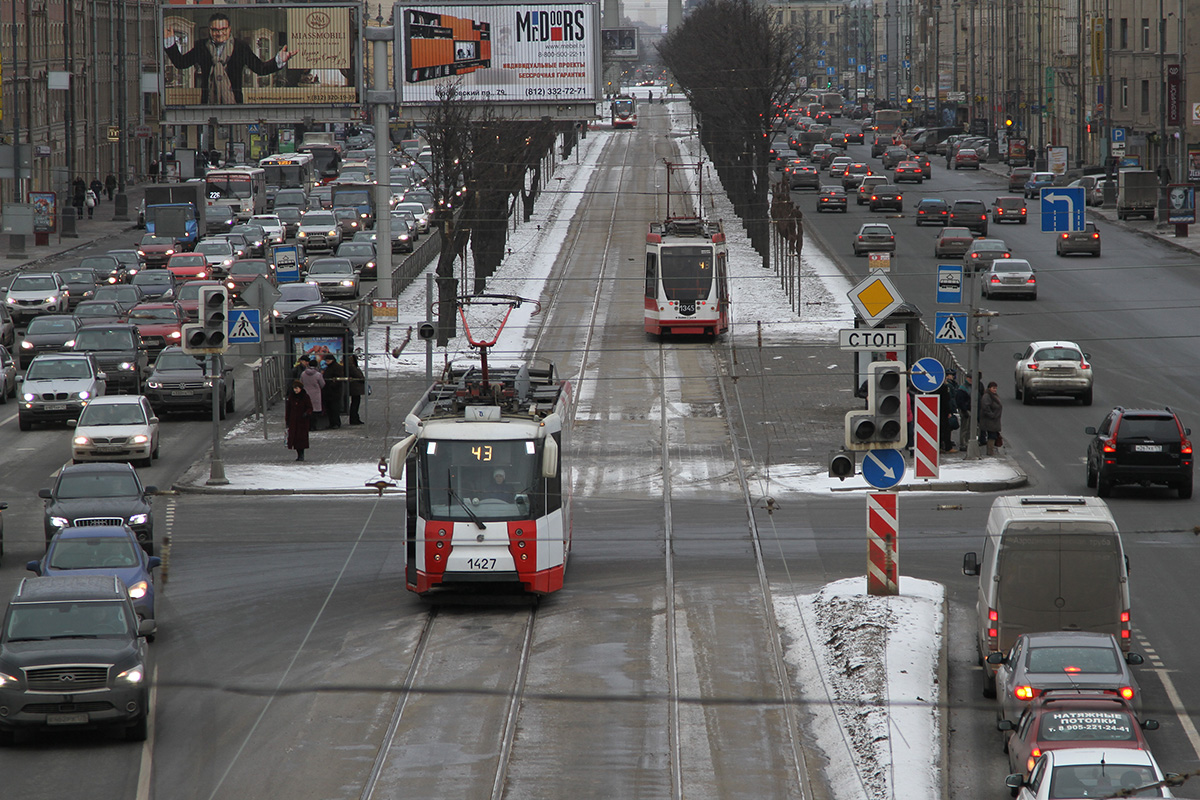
(358,387)
(335,385)
(221,61)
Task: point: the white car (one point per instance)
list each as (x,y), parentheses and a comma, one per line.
(116,428)
(218,253)
(272,226)
(319,232)
(1076,773)
(34,293)
(1053,368)
(335,277)
(293,297)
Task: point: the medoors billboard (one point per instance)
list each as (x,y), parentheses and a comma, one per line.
(261,55)
(498,52)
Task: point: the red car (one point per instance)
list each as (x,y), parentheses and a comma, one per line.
(966,159)
(158,323)
(188,266)
(155,250)
(188,297)
(245,271)
(1058,720)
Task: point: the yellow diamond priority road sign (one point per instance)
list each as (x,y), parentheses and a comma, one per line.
(875,298)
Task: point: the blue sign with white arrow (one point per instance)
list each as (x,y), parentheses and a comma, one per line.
(883,469)
(927,375)
(1063,209)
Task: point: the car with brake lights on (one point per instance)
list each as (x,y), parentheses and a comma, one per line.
(116,428)
(908,171)
(103,550)
(832,198)
(1010,209)
(867,187)
(837,167)
(952,242)
(926,165)
(1009,277)
(886,197)
(1038,181)
(893,155)
(837,139)
(1073,659)
(874,237)
(1086,241)
(1053,368)
(853,135)
(932,211)
(180,382)
(1061,719)
(983,252)
(34,293)
(800,175)
(73,655)
(966,158)
(47,334)
(970,214)
(1143,446)
(854,174)
(1089,772)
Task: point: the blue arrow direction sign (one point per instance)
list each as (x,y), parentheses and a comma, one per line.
(950,327)
(245,327)
(1063,209)
(883,469)
(949,283)
(927,375)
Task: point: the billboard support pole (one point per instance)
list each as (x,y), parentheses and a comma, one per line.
(381,100)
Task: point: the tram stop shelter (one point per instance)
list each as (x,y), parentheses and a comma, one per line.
(319,330)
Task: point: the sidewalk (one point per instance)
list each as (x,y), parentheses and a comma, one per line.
(102,228)
(1164,233)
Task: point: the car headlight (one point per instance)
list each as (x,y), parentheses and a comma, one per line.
(126,365)
(153,384)
(29,397)
(84,395)
(227,261)
(82,441)
(175,335)
(333,232)
(201,275)
(141,438)
(404,237)
(26,344)
(275,312)
(171,252)
(59,522)
(7,680)
(70,343)
(230,285)
(370,264)
(51,299)
(139,590)
(142,253)
(138,519)
(208,382)
(301,234)
(347,283)
(133,675)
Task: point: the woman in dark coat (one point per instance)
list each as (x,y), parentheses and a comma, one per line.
(297,412)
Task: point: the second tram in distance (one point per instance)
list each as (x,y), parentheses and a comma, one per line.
(687,278)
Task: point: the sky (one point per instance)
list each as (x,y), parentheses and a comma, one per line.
(878,722)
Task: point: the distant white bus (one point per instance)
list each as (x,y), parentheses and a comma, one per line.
(243,190)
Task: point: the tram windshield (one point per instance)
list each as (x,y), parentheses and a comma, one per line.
(467,480)
(687,273)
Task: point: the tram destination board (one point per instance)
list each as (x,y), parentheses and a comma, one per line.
(872,339)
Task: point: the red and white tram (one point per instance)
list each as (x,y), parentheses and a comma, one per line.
(687,283)
(624,111)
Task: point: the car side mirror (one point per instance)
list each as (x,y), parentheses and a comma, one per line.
(146,627)
(1017,356)
(1134,659)
(1090,430)
(154,420)
(1005,725)
(153,561)
(1015,781)
(970,564)
(995,658)
(101,376)
(35,567)
(1149,724)
(149,490)
(45,494)
(71,423)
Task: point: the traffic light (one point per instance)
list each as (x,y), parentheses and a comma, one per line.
(884,424)
(841,464)
(210,335)
(1008,123)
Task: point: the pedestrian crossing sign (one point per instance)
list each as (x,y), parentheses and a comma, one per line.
(245,326)
(950,327)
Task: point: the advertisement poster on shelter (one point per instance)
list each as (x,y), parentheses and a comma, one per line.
(499,53)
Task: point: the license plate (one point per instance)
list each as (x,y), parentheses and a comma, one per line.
(1147,448)
(109,448)
(66,719)
(182,393)
(57,407)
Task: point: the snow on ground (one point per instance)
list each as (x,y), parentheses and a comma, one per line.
(877,720)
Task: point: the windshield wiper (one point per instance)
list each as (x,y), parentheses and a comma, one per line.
(450,490)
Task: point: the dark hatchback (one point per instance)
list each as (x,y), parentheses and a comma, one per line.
(103,493)
(932,211)
(47,334)
(832,198)
(82,283)
(1142,446)
(886,197)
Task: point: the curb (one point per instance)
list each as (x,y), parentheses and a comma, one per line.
(183,488)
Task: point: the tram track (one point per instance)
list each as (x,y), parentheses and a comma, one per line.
(501,664)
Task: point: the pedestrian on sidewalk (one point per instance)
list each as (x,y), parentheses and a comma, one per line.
(90,199)
(947,419)
(358,387)
(110,185)
(78,193)
(990,411)
(297,412)
(154,171)
(298,368)
(313,382)
(97,187)
(962,399)
(335,384)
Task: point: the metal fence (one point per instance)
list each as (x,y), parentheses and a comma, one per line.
(270,376)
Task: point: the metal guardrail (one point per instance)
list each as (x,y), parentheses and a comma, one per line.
(407,270)
(270,377)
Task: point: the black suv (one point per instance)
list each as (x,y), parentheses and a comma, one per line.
(1139,445)
(886,196)
(74,655)
(119,351)
(104,493)
(970,214)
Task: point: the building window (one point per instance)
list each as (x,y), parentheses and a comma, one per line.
(1124,92)
(1145,97)
(1124,34)
(1145,33)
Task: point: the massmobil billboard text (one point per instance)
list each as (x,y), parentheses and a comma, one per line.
(261,55)
(531,53)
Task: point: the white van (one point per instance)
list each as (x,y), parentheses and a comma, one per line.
(1048,564)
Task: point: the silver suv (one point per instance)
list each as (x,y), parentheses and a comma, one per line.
(319,232)
(57,386)
(35,293)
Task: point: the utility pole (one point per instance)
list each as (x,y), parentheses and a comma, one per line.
(121,205)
